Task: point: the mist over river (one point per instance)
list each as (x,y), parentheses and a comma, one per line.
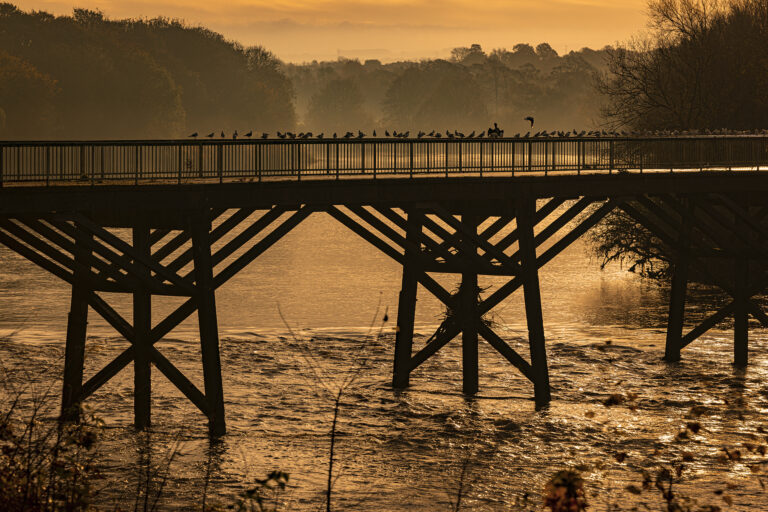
(605,334)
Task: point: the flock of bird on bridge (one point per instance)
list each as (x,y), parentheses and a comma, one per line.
(492,133)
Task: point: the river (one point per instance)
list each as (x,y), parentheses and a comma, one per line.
(310,311)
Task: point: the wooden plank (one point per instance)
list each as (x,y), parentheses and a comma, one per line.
(248,233)
(541,214)
(158,234)
(365,234)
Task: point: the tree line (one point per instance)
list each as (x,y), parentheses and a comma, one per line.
(87,76)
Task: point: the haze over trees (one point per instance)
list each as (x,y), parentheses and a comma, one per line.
(467,92)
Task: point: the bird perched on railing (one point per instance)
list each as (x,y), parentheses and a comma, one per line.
(386,132)
(360,134)
(471,135)
(320,135)
(438,135)
(374,133)
(210,135)
(265,135)
(281,135)
(194,135)
(223,134)
(482,134)
(420,134)
(249,134)
(234,135)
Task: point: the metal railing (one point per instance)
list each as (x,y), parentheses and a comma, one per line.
(188,161)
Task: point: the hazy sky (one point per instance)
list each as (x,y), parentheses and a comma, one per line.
(299,30)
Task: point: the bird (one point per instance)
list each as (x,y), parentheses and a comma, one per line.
(482,134)
(210,135)
(471,135)
(374,133)
(386,132)
(291,135)
(249,134)
(234,135)
(431,134)
(360,134)
(265,135)
(281,135)
(223,134)
(348,135)
(405,135)
(529,119)
(438,135)
(334,135)
(194,135)
(320,135)
(420,134)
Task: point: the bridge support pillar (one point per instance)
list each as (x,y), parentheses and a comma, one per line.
(77,327)
(526,209)
(406,306)
(677,294)
(209,330)
(468,315)
(740,313)
(142,325)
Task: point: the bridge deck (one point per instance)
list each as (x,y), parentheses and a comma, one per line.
(203,161)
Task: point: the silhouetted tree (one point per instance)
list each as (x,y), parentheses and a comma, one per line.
(26,99)
(338,107)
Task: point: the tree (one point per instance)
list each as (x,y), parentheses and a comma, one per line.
(703,66)
(26,100)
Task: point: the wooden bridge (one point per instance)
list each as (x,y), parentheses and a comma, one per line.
(180,218)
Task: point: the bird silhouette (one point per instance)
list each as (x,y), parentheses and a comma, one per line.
(265,135)
(360,134)
(320,135)
(420,134)
(234,135)
(386,132)
(482,134)
(194,135)
(471,135)
(281,135)
(438,135)
(529,119)
(210,135)
(431,134)
(223,134)
(334,135)
(249,134)
(405,135)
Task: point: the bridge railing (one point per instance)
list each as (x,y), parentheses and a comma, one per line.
(134,162)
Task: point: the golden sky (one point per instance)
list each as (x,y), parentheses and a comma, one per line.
(300,30)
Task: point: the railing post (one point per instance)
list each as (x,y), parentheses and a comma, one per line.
(47,160)
(481,159)
(337,159)
(610,156)
(220,161)
(461,167)
(375,159)
(513,159)
(257,158)
(410,150)
(362,157)
(138,165)
(530,155)
(546,156)
(446,159)
(2,166)
(180,156)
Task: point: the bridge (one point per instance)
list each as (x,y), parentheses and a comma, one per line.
(180,218)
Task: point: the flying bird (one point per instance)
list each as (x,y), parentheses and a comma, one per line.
(529,119)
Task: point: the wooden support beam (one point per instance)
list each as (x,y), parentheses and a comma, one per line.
(406,305)
(707,324)
(431,245)
(259,247)
(740,313)
(526,209)
(142,325)
(505,350)
(158,234)
(481,243)
(205,288)
(125,248)
(248,234)
(35,257)
(467,310)
(541,214)
(179,380)
(77,327)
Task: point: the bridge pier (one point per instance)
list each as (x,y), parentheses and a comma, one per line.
(406,305)
(467,311)
(740,313)
(142,326)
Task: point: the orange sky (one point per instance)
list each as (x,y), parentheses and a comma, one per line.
(300,30)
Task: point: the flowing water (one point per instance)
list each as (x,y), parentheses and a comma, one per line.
(309,313)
